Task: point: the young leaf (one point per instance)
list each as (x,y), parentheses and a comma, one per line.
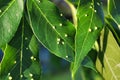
(10,16)
(111,70)
(90,22)
(19,63)
(51,28)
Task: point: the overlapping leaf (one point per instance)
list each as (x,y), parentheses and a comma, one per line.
(114,27)
(114,19)
(111,70)
(10,16)
(114,10)
(51,28)
(90,22)
(20,60)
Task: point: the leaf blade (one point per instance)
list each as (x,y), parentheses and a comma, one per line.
(19,55)
(87,30)
(114,10)
(114,18)
(9,20)
(57,34)
(111,60)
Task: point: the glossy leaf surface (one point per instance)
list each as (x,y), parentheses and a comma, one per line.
(52,29)
(10,16)
(90,22)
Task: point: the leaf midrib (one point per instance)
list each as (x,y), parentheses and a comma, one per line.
(51,24)
(12,2)
(84,39)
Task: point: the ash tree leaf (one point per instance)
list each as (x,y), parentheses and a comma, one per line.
(51,28)
(10,16)
(19,63)
(90,23)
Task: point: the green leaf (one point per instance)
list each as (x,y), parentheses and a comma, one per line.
(18,57)
(84,73)
(111,69)
(90,22)
(75,2)
(34,45)
(114,27)
(10,16)
(51,28)
(114,18)
(102,44)
(114,10)
(88,63)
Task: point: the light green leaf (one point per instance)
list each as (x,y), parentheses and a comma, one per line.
(34,45)
(18,56)
(111,69)
(90,22)
(10,16)
(51,28)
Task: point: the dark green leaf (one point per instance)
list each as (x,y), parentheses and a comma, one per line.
(114,20)
(114,10)
(103,44)
(84,73)
(87,66)
(90,22)
(114,27)
(88,63)
(75,2)
(52,29)
(19,60)
(10,16)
